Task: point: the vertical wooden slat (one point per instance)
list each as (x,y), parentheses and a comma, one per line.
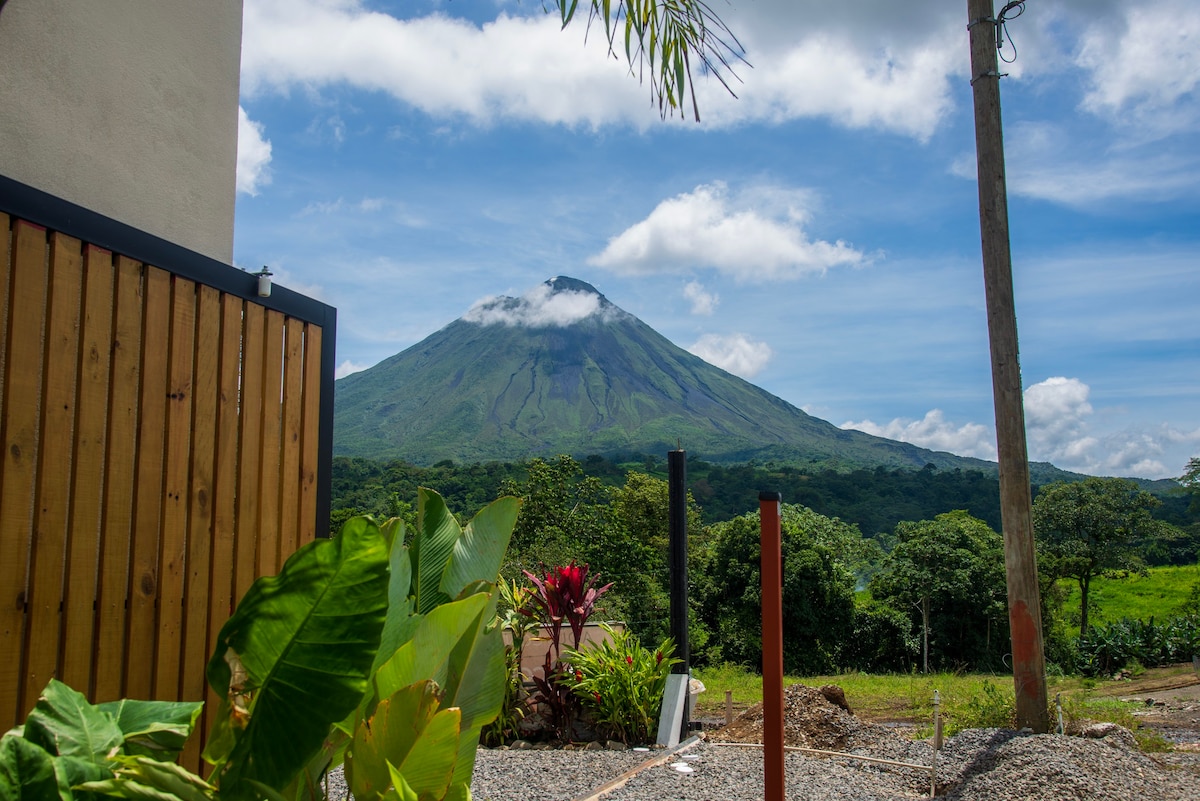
(172,556)
(293,421)
(20,440)
(225,474)
(200,523)
(119,469)
(272,427)
(79,611)
(250,453)
(312,426)
(52,507)
(5,284)
(144,576)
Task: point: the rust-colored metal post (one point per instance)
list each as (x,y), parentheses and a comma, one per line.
(771,559)
(1020,559)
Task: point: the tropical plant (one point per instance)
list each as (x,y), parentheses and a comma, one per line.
(363,648)
(517,621)
(621,683)
(1107,649)
(673,37)
(66,742)
(566,594)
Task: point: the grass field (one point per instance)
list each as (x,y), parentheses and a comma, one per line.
(969,700)
(1158,594)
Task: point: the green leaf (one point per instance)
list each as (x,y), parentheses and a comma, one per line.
(399,623)
(156,729)
(432,545)
(27,772)
(475,684)
(388,736)
(65,724)
(141,777)
(305,640)
(400,791)
(427,654)
(408,734)
(480,549)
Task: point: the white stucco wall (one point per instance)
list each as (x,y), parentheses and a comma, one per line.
(127,107)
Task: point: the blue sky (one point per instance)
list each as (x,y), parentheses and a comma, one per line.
(818,235)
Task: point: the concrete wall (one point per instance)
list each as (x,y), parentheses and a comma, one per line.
(127,107)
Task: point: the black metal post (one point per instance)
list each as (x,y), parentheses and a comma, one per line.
(677,560)
(677,555)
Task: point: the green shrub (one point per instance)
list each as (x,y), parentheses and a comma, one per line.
(992,707)
(620,684)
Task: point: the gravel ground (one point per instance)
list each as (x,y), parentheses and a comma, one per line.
(977,765)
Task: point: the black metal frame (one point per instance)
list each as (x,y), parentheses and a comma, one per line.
(56,214)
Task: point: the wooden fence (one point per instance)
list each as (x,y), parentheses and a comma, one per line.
(165,442)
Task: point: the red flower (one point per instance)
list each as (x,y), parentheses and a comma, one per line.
(628,660)
(597,697)
(579,675)
(658,658)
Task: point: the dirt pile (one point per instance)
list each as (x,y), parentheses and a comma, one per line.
(813,717)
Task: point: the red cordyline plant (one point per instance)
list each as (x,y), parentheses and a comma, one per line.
(566,593)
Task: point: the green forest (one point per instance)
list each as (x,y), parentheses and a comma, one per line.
(884,569)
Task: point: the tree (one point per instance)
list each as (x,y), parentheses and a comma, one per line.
(560,516)
(1093,528)
(951,570)
(1190,481)
(818,588)
(673,37)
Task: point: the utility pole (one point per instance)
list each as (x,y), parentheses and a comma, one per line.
(1020,558)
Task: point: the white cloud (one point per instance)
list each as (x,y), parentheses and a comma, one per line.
(540,307)
(757,236)
(1056,413)
(1143,65)
(859,75)
(348,368)
(703,302)
(253,155)
(735,353)
(902,87)
(1058,422)
(936,433)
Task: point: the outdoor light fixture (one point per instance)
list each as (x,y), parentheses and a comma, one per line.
(264,282)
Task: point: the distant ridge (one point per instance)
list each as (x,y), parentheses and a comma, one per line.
(564,370)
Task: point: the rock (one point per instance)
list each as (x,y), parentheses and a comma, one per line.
(835,695)
(594,745)
(1118,734)
(616,745)
(521,745)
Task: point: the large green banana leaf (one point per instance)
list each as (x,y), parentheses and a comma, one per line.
(410,733)
(467,556)
(479,551)
(427,655)
(299,648)
(432,545)
(454,646)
